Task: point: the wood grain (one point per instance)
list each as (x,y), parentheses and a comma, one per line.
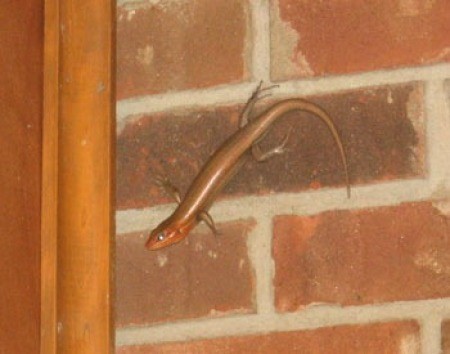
(49,200)
(21,28)
(85,170)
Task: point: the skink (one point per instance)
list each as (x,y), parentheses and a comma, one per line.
(221,167)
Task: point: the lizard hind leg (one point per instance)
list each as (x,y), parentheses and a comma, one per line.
(261,156)
(255,96)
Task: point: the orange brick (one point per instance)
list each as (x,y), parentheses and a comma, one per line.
(362,256)
(313,38)
(201,276)
(381,128)
(176,45)
(387,338)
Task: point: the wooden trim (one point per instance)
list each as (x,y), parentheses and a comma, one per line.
(49,194)
(85,195)
(78,177)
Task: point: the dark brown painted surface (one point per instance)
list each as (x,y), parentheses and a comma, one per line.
(21,38)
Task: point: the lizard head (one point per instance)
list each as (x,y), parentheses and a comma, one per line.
(166,234)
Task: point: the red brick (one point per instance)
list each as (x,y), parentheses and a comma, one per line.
(176,45)
(381,128)
(446,337)
(386,338)
(362,256)
(201,276)
(313,38)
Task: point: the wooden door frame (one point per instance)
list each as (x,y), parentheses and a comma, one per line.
(77,224)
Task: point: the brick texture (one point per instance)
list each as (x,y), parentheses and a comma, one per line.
(312,38)
(344,258)
(387,338)
(175,45)
(360,257)
(201,276)
(381,128)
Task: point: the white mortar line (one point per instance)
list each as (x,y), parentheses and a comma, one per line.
(260,20)
(190,99)
(431,334)
(329,84)
(239,93)
(310,318)
(305,203)
(438,136)
(259,244)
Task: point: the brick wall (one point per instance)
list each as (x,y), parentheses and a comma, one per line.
(298,267)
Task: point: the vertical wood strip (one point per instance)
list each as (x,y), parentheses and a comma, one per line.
(49,198)
(85,191)
(21,79)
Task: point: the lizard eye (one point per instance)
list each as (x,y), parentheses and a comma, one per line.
(161,236)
